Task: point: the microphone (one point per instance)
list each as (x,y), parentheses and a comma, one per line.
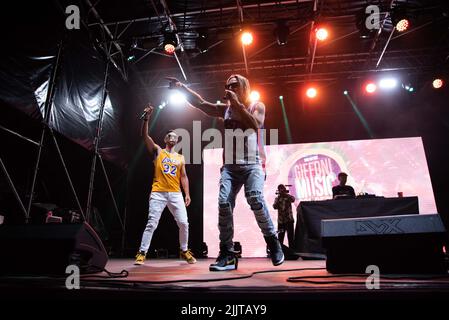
(143,115)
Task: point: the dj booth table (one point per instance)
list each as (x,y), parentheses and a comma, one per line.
(310,214)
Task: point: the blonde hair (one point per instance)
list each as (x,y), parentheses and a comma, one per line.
(244,84)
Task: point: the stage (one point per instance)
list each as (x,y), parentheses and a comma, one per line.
(256,280)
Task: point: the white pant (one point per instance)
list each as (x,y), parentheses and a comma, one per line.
(176,205)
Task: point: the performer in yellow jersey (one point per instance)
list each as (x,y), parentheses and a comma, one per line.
(169,173)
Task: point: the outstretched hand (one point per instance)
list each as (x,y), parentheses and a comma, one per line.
(174,82)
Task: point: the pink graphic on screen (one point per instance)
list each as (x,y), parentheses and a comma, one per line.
(382,167)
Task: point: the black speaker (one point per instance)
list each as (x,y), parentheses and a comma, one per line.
(48,249)
(396,244)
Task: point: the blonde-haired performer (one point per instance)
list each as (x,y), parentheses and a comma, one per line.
(242,166)
(169,173)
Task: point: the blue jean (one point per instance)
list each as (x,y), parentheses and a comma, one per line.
(233,177)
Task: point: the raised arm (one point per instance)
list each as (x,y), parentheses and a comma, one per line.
(209,108)
(149,143)
(185,183)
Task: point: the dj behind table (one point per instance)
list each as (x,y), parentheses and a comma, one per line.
(310,214)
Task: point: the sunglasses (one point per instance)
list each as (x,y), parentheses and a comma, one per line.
(231,86)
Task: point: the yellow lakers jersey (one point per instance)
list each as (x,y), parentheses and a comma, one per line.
(167,172)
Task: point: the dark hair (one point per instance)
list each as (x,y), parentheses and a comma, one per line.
(341,174)
(169,131)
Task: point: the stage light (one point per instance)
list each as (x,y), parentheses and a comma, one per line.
(218,101)
(388,83)
(345,92)
(401,18)
(169,48)
(437,83)
(247,38)
(170,42)
(370,87)
(402,25)
(281,32)
(177,99)
(311,93)
(254,96)
(130,47)
(135,43)
(408,87)
(281,97)
(321,34)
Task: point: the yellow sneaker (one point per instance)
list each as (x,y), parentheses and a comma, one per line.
(140,258)
(187,256)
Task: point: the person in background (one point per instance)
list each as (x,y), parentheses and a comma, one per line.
(342,190)
(283,204)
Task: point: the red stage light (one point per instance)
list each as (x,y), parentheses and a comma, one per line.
(311,93)
(370,87)
(437,83)
(247,38)
(402,25)
(321,34)
(169,48)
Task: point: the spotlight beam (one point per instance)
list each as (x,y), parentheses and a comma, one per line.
(244,59)
(360,115)
(312,28)
(180,66)
(313,55)
(287,126)
(415,29)
(173,27)
(154,120)
(337,39)
(377,36)
(385,48)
